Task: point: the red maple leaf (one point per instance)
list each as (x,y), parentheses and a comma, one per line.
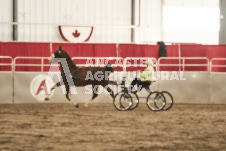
(76,34)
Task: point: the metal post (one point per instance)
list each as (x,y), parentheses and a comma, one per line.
(13,79)
(15,19)
(179,55)
(183,63)
(222,33)
(51,47)
(42,64)
(133,20)
(117,48)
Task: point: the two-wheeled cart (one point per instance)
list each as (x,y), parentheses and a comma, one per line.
(129,100)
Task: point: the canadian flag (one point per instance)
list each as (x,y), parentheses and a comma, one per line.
(76,33)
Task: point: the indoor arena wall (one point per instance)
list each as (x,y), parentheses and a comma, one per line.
(6,89)
(200,86)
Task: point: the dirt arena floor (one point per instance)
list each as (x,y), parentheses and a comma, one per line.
(101,127)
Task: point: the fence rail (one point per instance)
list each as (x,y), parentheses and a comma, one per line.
(16,64)
(99,61)
(10,64)
(123,63)
(212,65)
(181,62)
(127,63)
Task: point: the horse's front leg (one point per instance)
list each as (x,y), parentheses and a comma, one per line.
(95,94)
(68,96)
(55,86)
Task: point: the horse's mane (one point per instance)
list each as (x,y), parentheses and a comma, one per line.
(69,61)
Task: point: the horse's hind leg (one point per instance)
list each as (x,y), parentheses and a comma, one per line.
(95,94)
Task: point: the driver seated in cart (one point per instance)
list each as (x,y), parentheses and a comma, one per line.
(145,80)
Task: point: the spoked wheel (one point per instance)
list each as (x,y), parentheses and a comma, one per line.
(156,101)
(122,101)
(135,100)
(169,100)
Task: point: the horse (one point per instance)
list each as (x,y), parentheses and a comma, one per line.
(79,75)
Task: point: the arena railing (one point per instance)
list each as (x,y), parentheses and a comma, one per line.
(136,64)
(8,63)
(181,63)
(122,63)
(99,61)
(41,64)
(222,65)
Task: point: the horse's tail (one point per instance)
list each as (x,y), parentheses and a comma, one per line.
(109,68)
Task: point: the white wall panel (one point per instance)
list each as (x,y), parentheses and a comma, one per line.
(6,16)
(150,21)
(100,13)
(76,12)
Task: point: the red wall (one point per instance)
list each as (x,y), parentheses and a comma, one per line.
(15,49)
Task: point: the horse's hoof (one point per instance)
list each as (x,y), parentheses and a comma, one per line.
(86,105)
(46,99)
(76,105)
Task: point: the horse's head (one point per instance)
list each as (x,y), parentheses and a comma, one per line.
(60,53)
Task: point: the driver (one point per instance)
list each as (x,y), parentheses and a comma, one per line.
(146,78)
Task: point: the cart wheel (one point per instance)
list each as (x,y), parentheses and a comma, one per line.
(122,101)
(169,100)
(135,100)
(156,101)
